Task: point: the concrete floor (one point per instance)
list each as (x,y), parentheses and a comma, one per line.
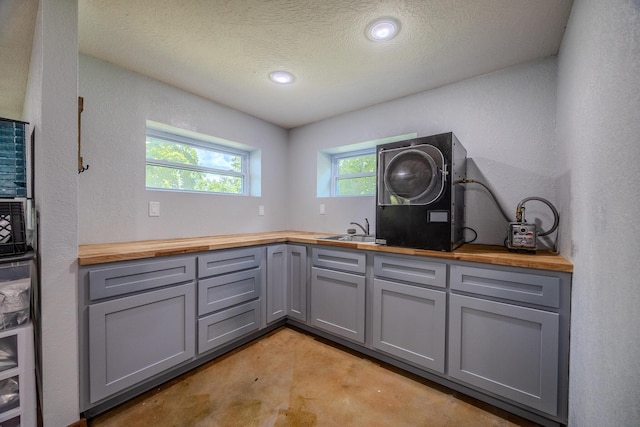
(288,378)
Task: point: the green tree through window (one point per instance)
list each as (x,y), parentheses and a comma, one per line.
(177,164)
(355,173)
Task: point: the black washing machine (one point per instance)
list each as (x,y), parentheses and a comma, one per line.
(418,204)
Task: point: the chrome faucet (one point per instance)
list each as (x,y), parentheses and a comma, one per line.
(364,229)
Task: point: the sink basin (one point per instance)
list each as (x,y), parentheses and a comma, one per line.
(351,238)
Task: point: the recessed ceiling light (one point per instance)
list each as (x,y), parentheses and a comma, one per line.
(383,29)
(281,77)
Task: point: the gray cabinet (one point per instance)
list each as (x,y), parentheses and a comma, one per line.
(276,282)
(286,282)
(229,292)
(499,333)
(142,320)
(409,319)
(338,292)
(134,335)
(297,282)
(499,341)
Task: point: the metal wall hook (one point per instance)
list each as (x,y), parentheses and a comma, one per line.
(81,166)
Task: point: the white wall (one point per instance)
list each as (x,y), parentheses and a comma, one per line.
(51,110)
(599,126)
(505,120)
(113,201)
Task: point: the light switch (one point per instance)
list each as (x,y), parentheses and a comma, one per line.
(154,208)
(322,211)
(261,210)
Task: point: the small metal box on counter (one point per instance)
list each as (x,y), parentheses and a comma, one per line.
(15,294)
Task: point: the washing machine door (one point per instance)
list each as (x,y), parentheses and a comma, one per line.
(412,175)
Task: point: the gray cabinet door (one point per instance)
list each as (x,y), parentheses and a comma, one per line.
(136,337)
(508,350)
(276,282)
(297,282)
(286,282)
(337,303)
(410,322)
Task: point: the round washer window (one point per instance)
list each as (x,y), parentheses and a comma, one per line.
(413,175)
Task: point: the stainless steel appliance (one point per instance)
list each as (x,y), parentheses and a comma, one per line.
(523,236)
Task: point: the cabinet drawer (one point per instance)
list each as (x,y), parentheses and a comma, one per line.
(511,285)
(228,261)
(353,262)
(227,325)
(412,270)
(217,293)
(125,279)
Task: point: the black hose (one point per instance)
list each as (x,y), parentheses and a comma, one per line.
(556,216)
(471,181)
(474,237)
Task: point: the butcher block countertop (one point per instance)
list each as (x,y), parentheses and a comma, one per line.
(109,252)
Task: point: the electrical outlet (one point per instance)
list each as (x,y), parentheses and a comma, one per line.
(261,210)
(322,210)
(154,208)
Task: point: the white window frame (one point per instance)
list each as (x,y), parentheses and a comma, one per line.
(336,177)
(203,145)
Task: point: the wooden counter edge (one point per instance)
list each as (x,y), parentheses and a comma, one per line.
(496,255)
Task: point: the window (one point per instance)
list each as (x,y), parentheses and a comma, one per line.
(350,170)
(354,173)
(183,163)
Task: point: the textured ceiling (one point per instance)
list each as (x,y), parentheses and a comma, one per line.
(224,50)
